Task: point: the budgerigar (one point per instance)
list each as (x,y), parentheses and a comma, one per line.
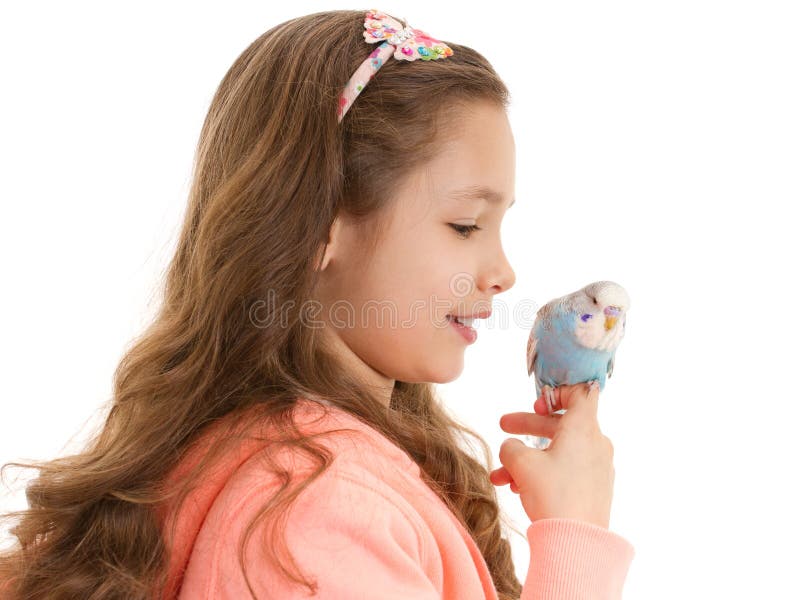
(574,339)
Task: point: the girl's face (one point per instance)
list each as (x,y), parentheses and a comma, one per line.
(387,314)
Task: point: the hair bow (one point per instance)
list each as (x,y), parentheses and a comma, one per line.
(402,41)
(409,43)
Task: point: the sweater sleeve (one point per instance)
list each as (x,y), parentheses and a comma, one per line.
(575,560)
(350,538)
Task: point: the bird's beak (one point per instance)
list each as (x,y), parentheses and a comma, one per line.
(612,314)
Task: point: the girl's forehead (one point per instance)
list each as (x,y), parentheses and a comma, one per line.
(426,191)
(477,166)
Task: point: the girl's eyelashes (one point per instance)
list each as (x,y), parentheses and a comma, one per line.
(464,231)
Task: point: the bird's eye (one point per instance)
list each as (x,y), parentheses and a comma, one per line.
(585,317)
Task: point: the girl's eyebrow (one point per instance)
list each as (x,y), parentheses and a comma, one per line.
(478,192)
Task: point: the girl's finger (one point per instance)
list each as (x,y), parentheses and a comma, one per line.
(500,476)
(530,424)
(540,406)
(581,404)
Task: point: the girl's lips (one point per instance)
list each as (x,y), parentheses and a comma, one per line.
(468,333)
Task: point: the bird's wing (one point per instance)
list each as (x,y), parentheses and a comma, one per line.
(531,354)
(610,366)
(544,318)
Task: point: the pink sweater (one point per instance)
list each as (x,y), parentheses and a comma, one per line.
(369,527)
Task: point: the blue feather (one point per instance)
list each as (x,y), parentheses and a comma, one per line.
(561,360)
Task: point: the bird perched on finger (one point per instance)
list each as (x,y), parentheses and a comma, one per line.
(574,338)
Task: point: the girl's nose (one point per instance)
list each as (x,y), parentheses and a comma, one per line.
(501,279)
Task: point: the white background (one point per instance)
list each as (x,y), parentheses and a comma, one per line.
(658,145)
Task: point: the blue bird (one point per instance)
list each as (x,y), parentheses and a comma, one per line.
(574,339)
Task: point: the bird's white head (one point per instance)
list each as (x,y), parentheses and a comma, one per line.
(600,310)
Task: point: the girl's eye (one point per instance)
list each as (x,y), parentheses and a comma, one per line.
(464,231)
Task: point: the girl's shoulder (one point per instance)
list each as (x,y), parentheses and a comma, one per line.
(254,459)
(350,437)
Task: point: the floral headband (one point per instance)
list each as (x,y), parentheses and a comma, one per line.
(404,42)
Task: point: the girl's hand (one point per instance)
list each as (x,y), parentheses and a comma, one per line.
(574,476)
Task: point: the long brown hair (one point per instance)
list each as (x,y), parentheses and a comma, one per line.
(272,170)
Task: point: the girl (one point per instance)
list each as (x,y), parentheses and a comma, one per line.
(267,434)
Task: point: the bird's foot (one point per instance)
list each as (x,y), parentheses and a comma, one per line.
(549,398)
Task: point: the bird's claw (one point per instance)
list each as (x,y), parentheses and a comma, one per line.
(549,398)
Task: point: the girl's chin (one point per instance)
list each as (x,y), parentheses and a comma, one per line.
(445,373)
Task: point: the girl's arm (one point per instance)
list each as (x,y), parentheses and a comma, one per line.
(571,558)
